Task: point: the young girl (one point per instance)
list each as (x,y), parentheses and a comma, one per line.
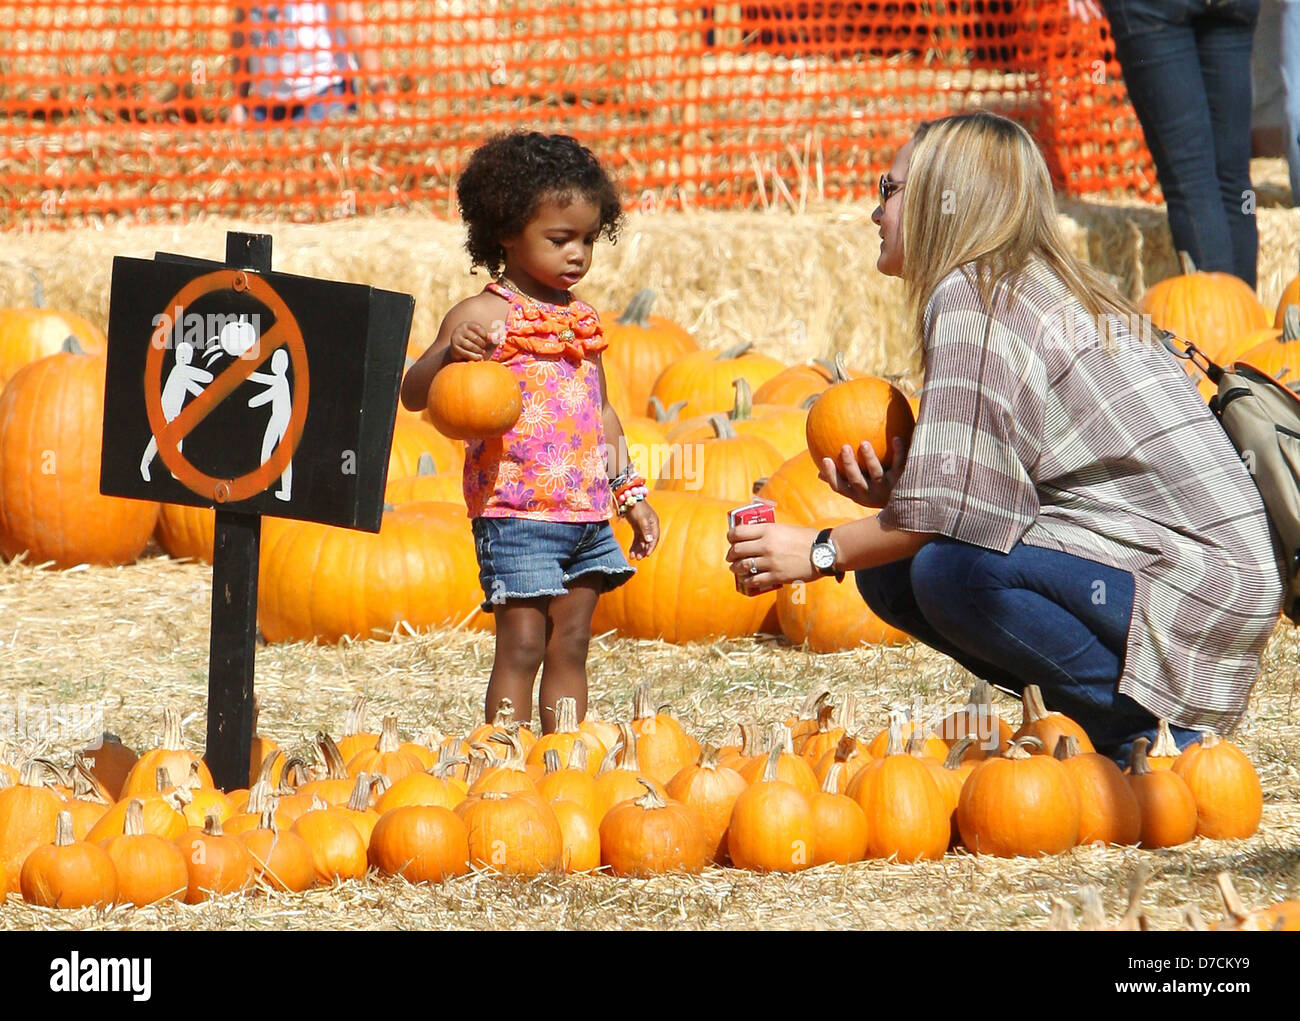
(540,496)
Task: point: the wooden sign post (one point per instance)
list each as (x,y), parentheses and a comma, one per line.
(250,392)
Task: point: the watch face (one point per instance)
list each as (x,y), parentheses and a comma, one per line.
(823,557)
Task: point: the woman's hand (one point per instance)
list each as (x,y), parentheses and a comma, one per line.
(871,489)
(645,530)
(1084,10)
(768,555)
(470,342)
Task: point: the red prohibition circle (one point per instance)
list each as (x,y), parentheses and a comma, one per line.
(285,332)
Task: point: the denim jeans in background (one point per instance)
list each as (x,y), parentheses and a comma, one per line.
(1291,79)
(1186,66)
(1031,616)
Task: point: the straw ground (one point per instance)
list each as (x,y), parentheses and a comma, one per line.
(134,639)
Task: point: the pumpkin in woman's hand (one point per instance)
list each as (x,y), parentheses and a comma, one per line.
(869,409)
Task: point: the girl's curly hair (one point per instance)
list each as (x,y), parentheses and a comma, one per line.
(509,175)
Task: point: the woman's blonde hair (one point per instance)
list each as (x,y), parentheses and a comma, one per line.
(978,191)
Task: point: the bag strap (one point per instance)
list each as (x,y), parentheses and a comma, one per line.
(1185,349)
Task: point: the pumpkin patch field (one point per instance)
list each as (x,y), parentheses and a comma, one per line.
(781,762)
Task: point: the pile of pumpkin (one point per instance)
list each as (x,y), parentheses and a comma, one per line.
(635,798)
(711,427)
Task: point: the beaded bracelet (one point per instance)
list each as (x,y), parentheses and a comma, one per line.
(628,489)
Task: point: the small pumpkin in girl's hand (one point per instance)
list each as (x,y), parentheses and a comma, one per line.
(474,400)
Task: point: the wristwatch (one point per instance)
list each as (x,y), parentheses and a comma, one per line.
(823,555)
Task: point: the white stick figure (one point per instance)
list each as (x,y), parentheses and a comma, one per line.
(184,379)
(277,394)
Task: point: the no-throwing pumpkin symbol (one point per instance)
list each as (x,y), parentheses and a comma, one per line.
(171,419)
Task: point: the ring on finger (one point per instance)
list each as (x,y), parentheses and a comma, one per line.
(753,566)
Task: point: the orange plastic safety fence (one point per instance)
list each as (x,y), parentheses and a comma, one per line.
(308,111)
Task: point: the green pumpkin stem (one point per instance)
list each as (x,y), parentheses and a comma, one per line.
(743,408)
(637,312)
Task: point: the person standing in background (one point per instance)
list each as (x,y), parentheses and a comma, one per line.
(1275,73)
(1186,64)
(301,61)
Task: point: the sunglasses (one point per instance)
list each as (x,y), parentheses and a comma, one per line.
(889,187)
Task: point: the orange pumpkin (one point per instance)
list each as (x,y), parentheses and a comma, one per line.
(171,754)
(149,868)
(1108,809)
(1276,353)
(51,433)
(1225,787)
(1018,804)
(782,425)
(839,825)
(641,346)
(907,815)
(688,571)
(1208,309)
(425,486)
(802,498)
(649,835)
(512,833)
(1164,799)
(68,873)
(711,790)
(319,582)
(979,720)
(703,379)
(662,744)
(860,410)
(1048,727)
(1280,917)
(218,863)
(30,334)
(772,828)
(474,400)
(29,811)
(580,836)
(186,533)
(723,468)
(799,382)
(413,437)
(422,843)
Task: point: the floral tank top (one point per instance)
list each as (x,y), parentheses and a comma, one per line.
(550,465)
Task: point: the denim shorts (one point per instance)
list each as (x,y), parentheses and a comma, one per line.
(521,558)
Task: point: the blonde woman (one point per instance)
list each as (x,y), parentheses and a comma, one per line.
(1069,512)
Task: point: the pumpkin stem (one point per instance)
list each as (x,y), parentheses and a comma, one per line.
(71,346)
(578,756)
(1137,759)
(958,752)
(1291,324)
(845,748)
(296,772)
(782,738)
(335,767)
(848,714)
(38,289)
(64,832)
(446,766)
(1032,701)
(505,717)
(628,758)
(1019,749)
(425,465)
(32,773)
(212,825)
(831,782)
(895,746)
(722,428)
(743,407)
(133,825)
(708,757)
(637,312)
(162,779)
(661,414)
(551,760)
(267,769)
(355,720)
(359,800)
(841,373)
(1165,746)
(735,352)
(1231,899)
(84,785)
(769,770)
(651,800)
(172,738)
(1185,263)
(642,704)
(566,715)
(389,739)
(811,704)
(610,761)
(1208,739)
(266,820)
(514,758)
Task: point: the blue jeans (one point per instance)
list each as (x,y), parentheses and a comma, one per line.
(1186,65)
(1031,616)
(1291,81)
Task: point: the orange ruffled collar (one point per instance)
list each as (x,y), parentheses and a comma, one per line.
(544,329)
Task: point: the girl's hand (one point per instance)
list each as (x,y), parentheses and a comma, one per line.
(871,489)
(470,342)
(767,555)
(645,529)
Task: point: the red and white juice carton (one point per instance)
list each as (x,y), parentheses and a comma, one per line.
(757,511)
